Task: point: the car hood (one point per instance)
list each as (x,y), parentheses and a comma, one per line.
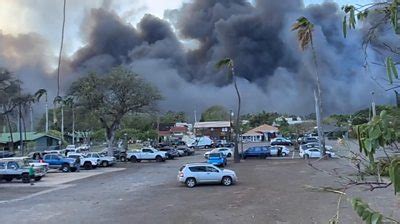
(215,158)
(226,171)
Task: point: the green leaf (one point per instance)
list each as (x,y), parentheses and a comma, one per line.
(376,218)
(393,68)
(344,26)
(375,132)
(394,173)
(389,70)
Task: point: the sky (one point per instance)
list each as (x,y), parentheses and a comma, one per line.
(30,45)
(44,17)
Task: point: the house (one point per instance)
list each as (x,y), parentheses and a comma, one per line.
(168,132)
(261,133)
(289,120)
(35,140)
(216,130)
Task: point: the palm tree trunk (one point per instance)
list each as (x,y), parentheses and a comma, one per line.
(73,126)
(237,129)
(24,126)
(62,122)
(10,131)
(47,116)
(31,117)
(321,137)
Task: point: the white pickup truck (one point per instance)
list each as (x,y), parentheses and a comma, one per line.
(146,154)
(86,162)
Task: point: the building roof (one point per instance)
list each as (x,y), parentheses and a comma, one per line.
(30,136)
(213,124)
(260,130)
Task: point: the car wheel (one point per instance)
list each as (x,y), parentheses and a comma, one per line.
(133,159)
(65,168)
(38,178)
(244,157)
(104,163)
(8,179)
(87,165)
(229,155)
(190,182)
(283,154)
(206,147)
(122,158)
(159,159)
(25,178)
(329,155)
(227,181)
(306,156)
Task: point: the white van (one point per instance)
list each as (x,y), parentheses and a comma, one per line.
(201,142)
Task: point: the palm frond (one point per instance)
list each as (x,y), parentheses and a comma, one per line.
(224,62)
(40,93)
(304,30)
(57,99)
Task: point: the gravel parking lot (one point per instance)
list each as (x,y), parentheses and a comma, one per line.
(268,191)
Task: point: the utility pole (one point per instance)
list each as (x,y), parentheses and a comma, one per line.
(73,125)
(47,115)
(62,122)
(195,116)
(31,116)
(373,105)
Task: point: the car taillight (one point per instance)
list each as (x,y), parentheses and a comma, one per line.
(181,174)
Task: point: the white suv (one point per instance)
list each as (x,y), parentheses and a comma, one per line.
(198,173)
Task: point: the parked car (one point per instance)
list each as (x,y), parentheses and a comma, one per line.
(146,154)
(279,150)
(26,162)
(84,147)
(315,153)
(201,142)
(86,162)
(10,170)
(224,143)
(257,151)
(119,154)
(199,173)
(226,151)
(104,161)
(187,151)
(6,154)
(217,159)
(281,141)
(171,152)
(314,145)
(305,140)
(59,162)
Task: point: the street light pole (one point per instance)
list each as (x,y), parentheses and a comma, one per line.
(373,105)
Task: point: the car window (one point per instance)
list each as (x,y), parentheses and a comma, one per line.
(197,169)
(12,165)
(211,169)
(314,150)
(222,150)
(148,150)
(2,165)
(215,155)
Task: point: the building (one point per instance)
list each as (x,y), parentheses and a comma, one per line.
(34,140)
(289,120)
(170,132)
(216,130)
(261,133)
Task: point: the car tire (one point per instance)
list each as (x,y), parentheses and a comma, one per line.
(283,154)
(38,178)
(133,159)
(159,159)
(190,182)
(229,155)
(25,178)
(306,156)
(104,163)
(65,168)
(329,155)
(206,147)
(87,166)
(226,181)
(8,179)
(244,157)
(122,158)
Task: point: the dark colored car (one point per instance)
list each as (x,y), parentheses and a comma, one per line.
(226,144)
(188,151)
(257,151)
(6,154)
(305,140)
(119,154)
(171,152)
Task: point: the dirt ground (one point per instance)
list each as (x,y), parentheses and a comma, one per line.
(268,191)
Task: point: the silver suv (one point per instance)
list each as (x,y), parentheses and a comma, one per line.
(199,173)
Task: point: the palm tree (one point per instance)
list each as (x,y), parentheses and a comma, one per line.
(58,100)
(38,96)
(304,30)
(228,63)
(69,101)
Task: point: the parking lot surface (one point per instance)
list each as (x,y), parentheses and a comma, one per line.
(268,191)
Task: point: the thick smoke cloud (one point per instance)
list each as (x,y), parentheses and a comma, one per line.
(274,74)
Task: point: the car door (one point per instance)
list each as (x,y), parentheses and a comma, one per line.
(213,174)
(200,173)
(147,154)
(314,153)
(274,151)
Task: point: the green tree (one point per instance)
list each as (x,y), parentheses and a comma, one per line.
(304,30)
(173,117)
(215,113)
(229,64)
(113,96)
(38,95)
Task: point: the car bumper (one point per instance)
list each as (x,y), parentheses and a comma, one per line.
(181,179)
